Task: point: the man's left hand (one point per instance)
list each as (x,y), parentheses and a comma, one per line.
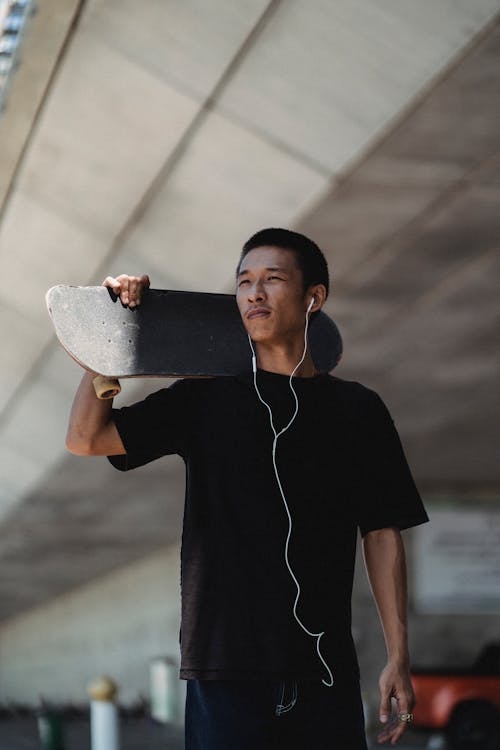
(395,683)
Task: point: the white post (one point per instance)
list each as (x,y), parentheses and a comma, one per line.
(104,730)
(164,685)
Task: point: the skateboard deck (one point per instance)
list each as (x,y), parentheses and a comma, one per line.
(170,334)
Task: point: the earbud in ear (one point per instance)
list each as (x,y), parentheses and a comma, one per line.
(311,303)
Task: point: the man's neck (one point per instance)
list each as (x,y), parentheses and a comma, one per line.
(283,360)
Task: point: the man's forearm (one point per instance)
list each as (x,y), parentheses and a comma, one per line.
(386,567)
(89,418)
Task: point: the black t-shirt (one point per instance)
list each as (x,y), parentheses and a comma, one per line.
(342,467)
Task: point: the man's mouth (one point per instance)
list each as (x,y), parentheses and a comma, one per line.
(258,312)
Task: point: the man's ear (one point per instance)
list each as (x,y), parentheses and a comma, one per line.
(317,293)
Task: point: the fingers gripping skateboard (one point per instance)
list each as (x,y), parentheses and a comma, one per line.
(106,387)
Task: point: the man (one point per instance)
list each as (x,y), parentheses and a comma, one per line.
(277,486)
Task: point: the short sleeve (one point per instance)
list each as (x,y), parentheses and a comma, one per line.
(386,494)
(157,426)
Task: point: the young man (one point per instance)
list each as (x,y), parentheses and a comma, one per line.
(275,495)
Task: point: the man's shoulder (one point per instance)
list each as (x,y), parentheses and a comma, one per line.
(198,389)
(351,389)
(202,383)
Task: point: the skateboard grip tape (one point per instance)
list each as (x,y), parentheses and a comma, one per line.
(106,387)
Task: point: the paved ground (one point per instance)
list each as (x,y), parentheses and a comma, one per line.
(21,733)
(136,734)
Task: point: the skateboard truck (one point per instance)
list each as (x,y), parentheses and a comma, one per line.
(106,387)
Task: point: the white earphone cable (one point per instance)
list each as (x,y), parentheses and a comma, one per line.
(277,435)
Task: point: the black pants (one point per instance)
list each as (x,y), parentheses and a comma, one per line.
(263,715)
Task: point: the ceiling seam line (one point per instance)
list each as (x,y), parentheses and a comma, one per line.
(190,93)
(446,286)
(63,51)
(163,174)
(462,184)
(424,93)
(395,320)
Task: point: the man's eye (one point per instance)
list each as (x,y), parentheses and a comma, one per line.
(243,281)
(276,277)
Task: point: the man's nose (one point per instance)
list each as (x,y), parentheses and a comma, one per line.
(256,292)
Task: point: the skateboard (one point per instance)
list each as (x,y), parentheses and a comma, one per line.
(170,334)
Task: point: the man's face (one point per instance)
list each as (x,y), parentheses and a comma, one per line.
(270,295)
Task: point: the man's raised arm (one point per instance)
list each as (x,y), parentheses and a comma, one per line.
(91,429)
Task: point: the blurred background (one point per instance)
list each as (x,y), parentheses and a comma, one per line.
(156,137)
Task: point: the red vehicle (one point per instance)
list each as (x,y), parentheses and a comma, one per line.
(464,702)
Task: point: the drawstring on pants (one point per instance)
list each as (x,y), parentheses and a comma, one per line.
(281,707)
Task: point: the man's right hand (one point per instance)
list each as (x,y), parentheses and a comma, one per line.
(128,288)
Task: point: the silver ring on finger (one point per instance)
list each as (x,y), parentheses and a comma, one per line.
(407,718)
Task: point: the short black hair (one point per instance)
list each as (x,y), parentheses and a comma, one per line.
(310,259)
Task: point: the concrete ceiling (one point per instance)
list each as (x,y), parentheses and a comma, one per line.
(163,135)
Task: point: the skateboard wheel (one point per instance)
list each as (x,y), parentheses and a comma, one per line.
(106,387)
